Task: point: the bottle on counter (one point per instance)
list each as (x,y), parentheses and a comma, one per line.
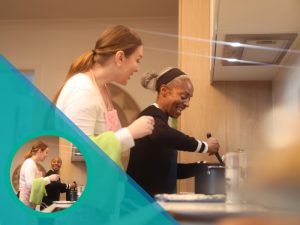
(236,176)
(232,177)
(80,189)
(243,165)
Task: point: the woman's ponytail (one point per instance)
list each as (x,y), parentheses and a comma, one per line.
(82,64)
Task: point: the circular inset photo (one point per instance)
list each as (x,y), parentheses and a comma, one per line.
(48,174)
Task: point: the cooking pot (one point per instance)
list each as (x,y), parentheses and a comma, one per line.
(71,194)
(210,179)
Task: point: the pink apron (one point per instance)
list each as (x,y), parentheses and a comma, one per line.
(24,197)
(112,120)
(25,192)
(111,115)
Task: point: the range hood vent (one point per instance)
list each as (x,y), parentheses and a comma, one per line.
(256,49)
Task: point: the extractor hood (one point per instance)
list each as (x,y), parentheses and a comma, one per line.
(256,49)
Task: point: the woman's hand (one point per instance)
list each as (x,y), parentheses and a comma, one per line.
(141,127)
(213,145)
(73,185)
(54,177)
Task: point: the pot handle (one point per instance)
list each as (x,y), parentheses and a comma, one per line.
(208,135)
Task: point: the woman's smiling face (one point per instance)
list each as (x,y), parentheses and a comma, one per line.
(56,163)
(178,97)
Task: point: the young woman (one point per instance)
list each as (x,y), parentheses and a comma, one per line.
(85,97)
(29,171)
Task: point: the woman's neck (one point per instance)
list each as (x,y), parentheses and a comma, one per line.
(101,75)
(35,158)
(160,105)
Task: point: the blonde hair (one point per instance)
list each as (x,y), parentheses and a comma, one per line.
(112,40)
(35,148)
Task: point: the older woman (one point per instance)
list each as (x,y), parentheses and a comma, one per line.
(153,160)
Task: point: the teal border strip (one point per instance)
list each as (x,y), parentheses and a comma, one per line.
(111,197)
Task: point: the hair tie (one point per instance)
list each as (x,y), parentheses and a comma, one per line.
(94,52)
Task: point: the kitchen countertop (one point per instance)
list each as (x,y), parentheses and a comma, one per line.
(57,206)
(200,211)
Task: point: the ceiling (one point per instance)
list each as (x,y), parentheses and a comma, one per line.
(78,9)
(230,17)
(252,17)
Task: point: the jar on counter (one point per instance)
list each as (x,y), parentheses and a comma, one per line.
(236,176)
(232,176)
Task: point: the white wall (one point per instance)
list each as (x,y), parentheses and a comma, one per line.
(49,47)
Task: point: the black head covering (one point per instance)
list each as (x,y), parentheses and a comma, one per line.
(167,77)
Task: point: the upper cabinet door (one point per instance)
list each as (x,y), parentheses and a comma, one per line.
(252,39)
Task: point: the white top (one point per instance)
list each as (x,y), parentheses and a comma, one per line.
(81,101)
(28,173)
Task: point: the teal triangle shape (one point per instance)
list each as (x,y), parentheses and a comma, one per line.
(110,196)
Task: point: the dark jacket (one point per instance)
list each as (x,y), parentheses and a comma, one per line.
(53,190)
(153,159)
